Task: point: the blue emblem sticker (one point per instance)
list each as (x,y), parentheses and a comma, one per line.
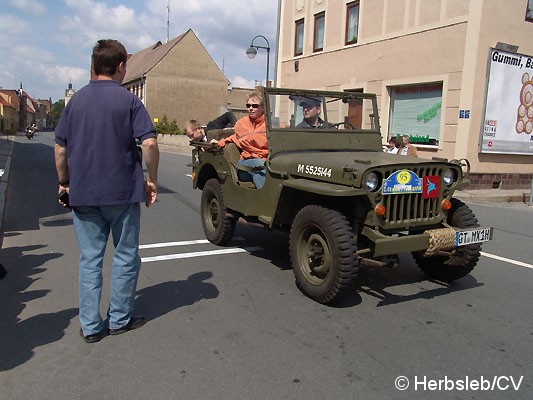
(402,182)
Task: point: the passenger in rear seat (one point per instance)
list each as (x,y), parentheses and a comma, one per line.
(196,132)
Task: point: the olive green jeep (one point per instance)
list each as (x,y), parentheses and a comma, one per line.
(345,202)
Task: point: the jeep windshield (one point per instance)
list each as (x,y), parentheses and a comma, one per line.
(321,121)
(310,110)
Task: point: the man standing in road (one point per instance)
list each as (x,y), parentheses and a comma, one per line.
(99,166)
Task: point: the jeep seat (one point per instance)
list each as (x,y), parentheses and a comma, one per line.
(218,134)
(232,154)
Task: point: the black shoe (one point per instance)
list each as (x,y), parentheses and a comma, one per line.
(95,337)
(134,323)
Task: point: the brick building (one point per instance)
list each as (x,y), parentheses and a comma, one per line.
(178,79)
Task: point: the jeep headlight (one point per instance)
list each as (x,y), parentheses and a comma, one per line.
(449,176)
(372,182)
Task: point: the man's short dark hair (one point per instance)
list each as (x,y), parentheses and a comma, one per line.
(107,56)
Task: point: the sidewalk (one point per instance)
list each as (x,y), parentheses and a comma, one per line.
(6,148)
(494,195)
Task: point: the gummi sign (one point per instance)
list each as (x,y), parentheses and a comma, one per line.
(508,122)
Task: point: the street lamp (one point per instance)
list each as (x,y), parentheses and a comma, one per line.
(251,52)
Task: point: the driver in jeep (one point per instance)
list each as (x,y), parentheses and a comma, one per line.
(311,109)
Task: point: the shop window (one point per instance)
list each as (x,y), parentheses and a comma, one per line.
(299,38)
(352,22)
(416,111)
(318,43)
(529,11)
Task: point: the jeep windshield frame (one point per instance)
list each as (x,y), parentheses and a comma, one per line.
(347,121)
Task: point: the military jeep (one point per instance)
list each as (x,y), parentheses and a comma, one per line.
(344,201)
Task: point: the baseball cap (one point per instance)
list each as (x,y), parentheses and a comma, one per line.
(310,101)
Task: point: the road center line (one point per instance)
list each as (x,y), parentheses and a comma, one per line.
(201,254)
(249,249)
(169,244)
(182,243)
(507,260)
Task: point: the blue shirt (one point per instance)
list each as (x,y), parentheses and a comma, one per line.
(98,128)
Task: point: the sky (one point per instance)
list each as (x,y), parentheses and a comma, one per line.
(45,44)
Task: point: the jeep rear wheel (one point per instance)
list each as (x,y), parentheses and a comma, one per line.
(322,247)
(462,259)
(218,224)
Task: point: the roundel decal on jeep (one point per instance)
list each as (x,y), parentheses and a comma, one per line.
(402,181)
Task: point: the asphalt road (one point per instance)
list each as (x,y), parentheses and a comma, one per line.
(229,323)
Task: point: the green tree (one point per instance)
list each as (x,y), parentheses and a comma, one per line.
(57,109)
(163,127)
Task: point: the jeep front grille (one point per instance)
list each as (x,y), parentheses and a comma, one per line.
(411,209)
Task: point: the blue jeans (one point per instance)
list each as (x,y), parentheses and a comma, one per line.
(257,177)
(93,225)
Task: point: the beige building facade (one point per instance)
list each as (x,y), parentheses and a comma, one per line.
(427,61)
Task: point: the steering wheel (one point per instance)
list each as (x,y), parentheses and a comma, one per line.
(347,125)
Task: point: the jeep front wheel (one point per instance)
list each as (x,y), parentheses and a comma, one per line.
(323,253)
(462,260)
(218,224)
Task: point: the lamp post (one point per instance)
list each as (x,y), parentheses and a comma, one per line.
(251,52)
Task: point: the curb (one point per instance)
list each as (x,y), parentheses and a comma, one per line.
(4,179)
(516,196)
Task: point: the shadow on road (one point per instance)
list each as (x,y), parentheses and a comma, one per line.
(381,283)
(377,282)
(158,300)
(19,338)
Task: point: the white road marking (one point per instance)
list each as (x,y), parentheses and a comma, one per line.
(507,260)
(170,244)
(181,243)
(201,254)
(250,249)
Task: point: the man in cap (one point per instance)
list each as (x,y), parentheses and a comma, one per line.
(311,107)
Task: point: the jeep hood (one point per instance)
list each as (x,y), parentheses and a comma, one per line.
(339,167)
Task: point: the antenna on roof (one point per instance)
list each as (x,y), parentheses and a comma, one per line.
(168,21)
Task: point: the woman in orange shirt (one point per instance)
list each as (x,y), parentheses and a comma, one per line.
(250,138)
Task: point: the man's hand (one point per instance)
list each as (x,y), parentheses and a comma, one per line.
(63,189)
(150,188)
(151,159)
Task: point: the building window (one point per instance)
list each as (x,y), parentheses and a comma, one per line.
(529,11)
(318,43)
(352,22)
(416,111)
(299,38)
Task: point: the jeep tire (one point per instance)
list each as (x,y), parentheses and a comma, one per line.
(323,252)
(218,224)
(462,259)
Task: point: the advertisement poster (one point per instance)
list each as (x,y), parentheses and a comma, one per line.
(508,123)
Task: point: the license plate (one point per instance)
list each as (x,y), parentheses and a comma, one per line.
(470,236)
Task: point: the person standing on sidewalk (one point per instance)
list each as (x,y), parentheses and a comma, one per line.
(99,166)
(406,148)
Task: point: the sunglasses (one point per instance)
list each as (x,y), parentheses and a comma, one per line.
(248,105)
